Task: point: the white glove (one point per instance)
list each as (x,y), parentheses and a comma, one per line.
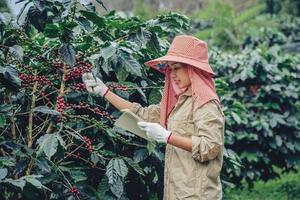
(155,131)
(96,87)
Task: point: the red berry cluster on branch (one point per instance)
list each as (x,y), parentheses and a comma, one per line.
(78,86)
(28,80)
(57,64)
(78,106)
(75,192)
(95,110)
(60,104)
(88,144)
(117,87)
(103,113)
(43,80)
(82,67)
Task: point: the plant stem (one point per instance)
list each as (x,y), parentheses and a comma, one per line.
(30,120)
(12,117)
(61,92)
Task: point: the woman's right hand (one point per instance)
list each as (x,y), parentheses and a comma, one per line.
(94,86)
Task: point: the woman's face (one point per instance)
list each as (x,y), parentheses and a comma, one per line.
(179,73)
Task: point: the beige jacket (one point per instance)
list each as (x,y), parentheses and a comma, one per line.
(196,175)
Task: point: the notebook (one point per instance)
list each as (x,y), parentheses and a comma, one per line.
(128,121)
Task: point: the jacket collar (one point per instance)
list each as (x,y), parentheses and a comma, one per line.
(187,92)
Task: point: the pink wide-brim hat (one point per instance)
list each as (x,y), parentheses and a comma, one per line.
(184,49)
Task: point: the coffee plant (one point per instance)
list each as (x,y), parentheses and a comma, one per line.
(263,125)
(57,141)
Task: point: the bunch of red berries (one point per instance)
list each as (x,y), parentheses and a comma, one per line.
(118,87)
(75,192)
(78,106)
(43,80)
(60,104)
(28,80)
(88,144)
(57,64)
(78,86)
(95,110)
(77,72)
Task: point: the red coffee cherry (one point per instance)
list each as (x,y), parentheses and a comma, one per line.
(75,192)
(60,104)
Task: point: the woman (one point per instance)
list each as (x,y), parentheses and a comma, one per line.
(189,120)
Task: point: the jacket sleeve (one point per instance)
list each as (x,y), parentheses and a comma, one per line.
(149,114)
(209,138)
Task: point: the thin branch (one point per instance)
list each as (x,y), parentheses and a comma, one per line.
(30,120)
(61,92)
(12,119)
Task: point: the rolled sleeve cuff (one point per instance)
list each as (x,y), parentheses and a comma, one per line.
(203,155)
(135,107)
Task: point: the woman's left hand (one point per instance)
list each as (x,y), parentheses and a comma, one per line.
(155,131)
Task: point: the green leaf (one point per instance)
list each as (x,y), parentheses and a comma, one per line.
(68,53)
(236,117)
(18,183)
(117,188)
(10,78)
(122,74)
(17,51)
(141,38)
(150,147)
(108,52)
(120,167)
(46,110)
(5,107)
(93,17)
(115,168)
(140,155)
(66,4)
(111,173)
(78,175)
(278,140)
(102,4)
(48,144)
(35,182)
(94,158)
(61,141)
(7,161)
(131,64)
(103,187)
(142,95)
(2,120)
(85,24)
(155,96)
(135,166)
(249,13)
(3,173)
(52,31)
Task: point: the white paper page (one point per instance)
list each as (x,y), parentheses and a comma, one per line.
(128,121)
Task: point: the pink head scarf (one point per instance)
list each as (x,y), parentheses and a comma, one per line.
(202,85)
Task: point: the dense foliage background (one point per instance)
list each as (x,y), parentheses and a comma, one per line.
(58,142)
